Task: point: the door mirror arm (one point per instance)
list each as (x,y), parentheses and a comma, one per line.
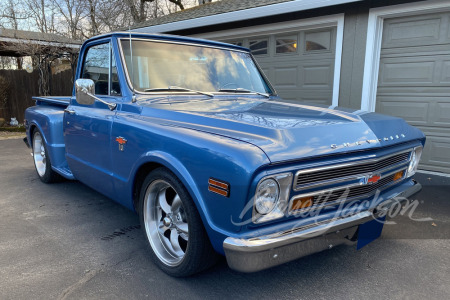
(84,92)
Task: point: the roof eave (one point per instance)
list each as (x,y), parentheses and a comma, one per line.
(245,14)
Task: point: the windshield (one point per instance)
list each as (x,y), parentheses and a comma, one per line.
(159,65)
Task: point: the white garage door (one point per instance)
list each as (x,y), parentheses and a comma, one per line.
(299,64)
(414,80)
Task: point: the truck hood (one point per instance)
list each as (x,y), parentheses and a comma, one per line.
(284,131)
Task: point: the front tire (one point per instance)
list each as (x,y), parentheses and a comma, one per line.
(178,242)
(42,161)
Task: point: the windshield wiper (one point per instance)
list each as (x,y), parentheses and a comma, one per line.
(241,90)
(177,88)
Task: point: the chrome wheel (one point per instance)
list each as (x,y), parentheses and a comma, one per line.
(165,223)
(40,159)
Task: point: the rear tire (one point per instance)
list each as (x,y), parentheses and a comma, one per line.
(179,244)
(42,161)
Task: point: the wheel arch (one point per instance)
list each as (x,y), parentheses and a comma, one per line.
(139,178)
(33,127)
(153,160)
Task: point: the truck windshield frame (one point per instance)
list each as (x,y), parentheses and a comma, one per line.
(214,68)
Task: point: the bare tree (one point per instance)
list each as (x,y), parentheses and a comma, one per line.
(92,6)
(9,13)
(73,12)
(178,3)
(139,9)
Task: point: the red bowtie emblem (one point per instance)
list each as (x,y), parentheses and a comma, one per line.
(121,142)
(373,179)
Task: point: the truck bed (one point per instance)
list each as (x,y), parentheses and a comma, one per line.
(54,100)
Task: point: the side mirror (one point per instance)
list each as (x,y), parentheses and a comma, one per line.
(84,87)
(84,93)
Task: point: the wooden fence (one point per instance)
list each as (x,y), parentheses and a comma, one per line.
(23,85)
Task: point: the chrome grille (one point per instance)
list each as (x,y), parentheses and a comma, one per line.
(352,192)
(316,177)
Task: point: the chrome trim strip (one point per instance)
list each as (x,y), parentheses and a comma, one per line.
(279,239)
(340,201)
(349,164)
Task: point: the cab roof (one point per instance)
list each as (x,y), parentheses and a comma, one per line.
(166,37)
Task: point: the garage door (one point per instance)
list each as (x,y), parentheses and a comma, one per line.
(414,80)
(300,64)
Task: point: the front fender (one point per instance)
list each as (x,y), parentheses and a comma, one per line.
(175,166)
(194,157)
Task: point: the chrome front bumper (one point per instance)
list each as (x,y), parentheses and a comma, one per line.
(259,253)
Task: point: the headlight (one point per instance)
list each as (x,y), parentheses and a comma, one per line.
(414,163)
(271,197)
(266,196)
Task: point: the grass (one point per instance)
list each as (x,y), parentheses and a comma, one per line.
(13,129)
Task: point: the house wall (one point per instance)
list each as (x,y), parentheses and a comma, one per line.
(353,55)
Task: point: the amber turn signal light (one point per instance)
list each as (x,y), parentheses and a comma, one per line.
(398,175)
(219,187)
(301,203)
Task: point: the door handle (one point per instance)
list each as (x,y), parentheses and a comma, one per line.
(69,111)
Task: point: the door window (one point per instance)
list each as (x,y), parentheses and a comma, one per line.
(100,67)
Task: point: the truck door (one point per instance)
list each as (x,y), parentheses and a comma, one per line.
(87,128)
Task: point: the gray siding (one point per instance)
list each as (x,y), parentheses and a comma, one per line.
(353,55)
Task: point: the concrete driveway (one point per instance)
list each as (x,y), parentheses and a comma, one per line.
(65,241)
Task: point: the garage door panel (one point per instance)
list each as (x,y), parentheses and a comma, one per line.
(414,81)
(316,76)
(440,114)
(402,72)
(306,97)
(285,77)
(417,110)
(436,155)
(321,98)
(415,52)
(448,30)
(414,113)
(443,132)
(412,32)
(416,71)
(415,31)
(445,78)
(413,91)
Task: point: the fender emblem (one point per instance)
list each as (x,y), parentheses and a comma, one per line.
(121,142)
(373,179)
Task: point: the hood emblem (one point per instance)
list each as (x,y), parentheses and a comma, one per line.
(122,141)
(359,143)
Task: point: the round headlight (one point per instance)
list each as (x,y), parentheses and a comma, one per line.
(415,158)
(266,196)
(412,163)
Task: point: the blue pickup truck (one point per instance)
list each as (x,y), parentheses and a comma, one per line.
(191,135)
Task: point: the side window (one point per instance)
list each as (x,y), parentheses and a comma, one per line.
(97,67)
